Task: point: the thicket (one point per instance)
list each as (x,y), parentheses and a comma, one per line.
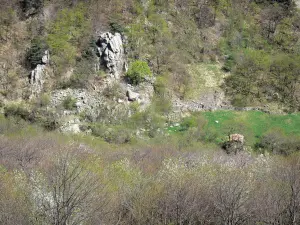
(260,56)
(152,185)
(137,72)
(36,52)
(31,7)
(67,33)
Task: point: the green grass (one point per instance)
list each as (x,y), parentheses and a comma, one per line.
(252,124)
(174,129)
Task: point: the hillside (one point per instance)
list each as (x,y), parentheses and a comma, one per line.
(150,112)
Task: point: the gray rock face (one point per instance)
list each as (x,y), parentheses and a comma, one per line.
(72,126)
(111,53)
(92,104)
(37,76)
(85,101)
(36,79)
(132,96)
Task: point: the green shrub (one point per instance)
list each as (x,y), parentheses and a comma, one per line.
(148,120)
(114,134)
(229,63)
(50,122)
(44,100)
(113,91)
(189,122)
(161,84)
(162,104)
(69,103)
(83,73)
(35,52)
(17,110)
(65,35)
(89,51)
(138,71)
(116,27)
(101,73)
(277,143)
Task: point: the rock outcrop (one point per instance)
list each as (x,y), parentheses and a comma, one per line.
(71,126)
(37,76)
(235,144)
(111,53)
(237,137)
(132,96)
(92,104)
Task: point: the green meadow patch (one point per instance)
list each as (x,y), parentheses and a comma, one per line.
(252,124)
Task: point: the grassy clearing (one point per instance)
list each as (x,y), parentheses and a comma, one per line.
(216,126)
(204,78)
(252,124)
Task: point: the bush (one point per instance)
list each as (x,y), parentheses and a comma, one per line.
(116,27)
(113,91)
(65,35)
(44,100)
(188,122)
(138,71)
(162,104)
(277,143)
(31,7)
(35,52)
(90,51)
(161,84)
(50,122)
(83,73)
(69,103)
(151,122)
(17,110)
(116,134)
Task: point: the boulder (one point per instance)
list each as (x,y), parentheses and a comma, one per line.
(132,96)
(236,138)
(235,144)
(111,53)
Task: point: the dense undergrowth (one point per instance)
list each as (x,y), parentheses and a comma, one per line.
(48,178)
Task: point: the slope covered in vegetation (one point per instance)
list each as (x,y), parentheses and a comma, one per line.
(119,112)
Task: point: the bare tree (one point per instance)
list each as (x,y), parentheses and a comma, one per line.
(230,196)
(67,192)
(288,172)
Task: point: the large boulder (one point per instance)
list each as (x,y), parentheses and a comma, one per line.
(237,138)
(111,53)
(235,144)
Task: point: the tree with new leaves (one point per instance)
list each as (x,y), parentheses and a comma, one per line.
(138,71)
(67,191)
